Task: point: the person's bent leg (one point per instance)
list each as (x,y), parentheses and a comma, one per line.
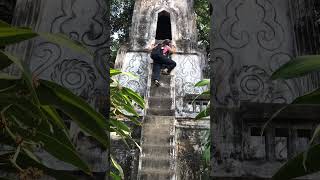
(170,64)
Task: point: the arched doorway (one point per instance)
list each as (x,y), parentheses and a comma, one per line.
(164,26)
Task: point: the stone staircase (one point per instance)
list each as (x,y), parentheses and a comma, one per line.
(157,137)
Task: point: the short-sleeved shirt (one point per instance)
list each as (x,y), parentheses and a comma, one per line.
(166,50)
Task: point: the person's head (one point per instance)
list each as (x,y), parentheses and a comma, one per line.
(166,42)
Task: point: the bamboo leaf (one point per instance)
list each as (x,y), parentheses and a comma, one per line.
(7,76)
(24,161)
(4,24)
(64,40)
(54,116)
(55,147)
(4,61)
(60,131)
(11,35)
(114,72)
(204,113)
(203,82)
(134,96)
(294,167)
(115,176)
(311,98)
(83,114)
(120,125)
(298,67)
(118,167)
(27,76)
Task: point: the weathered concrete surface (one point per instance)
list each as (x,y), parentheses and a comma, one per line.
(86,77)
(191,138)
(157,160)
(250,40)
(135,58)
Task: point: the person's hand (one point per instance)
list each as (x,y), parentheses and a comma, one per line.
(150,47)
(173,49)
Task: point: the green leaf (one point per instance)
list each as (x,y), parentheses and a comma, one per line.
(60,131)
(134,119)
(11,35)
(114,72)
(206,154)
(298,67)
(88,119)
(6,85)
(311,98)
(7,76)
(13,59)
(294,167)
(120,125)
(56,148)
(204,113)
(118,167)
(4,61)
(203,82)
(115,176)
(24,161)
(134,96)
(54,116)
(4,24)
(27,76)
(64,40)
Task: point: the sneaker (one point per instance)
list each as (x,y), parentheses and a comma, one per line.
(165,71)
(157,83)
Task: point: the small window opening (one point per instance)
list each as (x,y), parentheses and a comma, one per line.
(163,26)
(304,133)
(282,132)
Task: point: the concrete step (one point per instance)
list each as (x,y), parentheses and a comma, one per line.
(155,162)
(160,91)
(160,112)
(158,120)
(161,139)
(152,129)
(157,127)
(160,102)
(165,80)
(156,174)
(156,149)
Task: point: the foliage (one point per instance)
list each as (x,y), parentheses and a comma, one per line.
(206,142)
(206,112)
(121,15)
(29,118)
(307,162)
(202,9)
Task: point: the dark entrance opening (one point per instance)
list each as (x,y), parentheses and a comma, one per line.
(163,26)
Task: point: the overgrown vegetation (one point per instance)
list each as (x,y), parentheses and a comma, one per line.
(307,162)
(202,10)
(206,141)
(31,112)
(121,15)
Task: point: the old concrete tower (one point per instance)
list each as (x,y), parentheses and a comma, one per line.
(170,137)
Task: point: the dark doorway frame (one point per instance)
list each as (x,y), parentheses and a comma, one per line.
(164,30)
